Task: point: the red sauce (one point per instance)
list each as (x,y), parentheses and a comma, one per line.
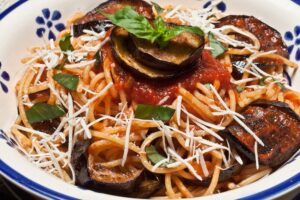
(145,91)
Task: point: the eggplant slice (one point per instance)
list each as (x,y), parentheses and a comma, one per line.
(120,40)
(116,180)
(276,124)
(94,176)
(269,38)
(224,176)
(182,51)
(93,20)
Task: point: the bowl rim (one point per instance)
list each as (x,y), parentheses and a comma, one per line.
(43,191)
(33,187)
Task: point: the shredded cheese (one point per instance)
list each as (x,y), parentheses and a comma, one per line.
(126,143)
(188,165)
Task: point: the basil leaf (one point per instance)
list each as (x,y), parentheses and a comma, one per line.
(134,23)
(42,112)
(158,8)
(262,81)
(139,26)
(144,111)
(98,58)
(155,157)
(68,81)
(239,89)
(65,43)
(217,47)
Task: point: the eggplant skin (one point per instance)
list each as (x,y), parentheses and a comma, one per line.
(278,104)
(93,19)
(150,184)
(276,124)
(79,162)
(224,176)
(97,26)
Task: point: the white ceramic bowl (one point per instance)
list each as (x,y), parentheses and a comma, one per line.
(21,25)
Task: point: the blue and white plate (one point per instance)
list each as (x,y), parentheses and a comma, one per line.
(24,24)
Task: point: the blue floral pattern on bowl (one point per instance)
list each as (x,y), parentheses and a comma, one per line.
(11,142)
(294,39)
(49,22)
(4,77)
(220,6)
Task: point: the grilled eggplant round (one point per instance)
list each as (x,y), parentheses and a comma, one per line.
(276,124)
(95,21)
(120,40)
(156,63)
(183,51)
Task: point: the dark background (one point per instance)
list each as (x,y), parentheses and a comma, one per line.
(10,192)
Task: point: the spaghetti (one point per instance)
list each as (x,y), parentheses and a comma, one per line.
(102,110)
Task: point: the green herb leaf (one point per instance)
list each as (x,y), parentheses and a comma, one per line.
(158,8)
(262,81)
(60,67)
(239,89)
(68,81)
(42,112)
(134,23)
(217,47)
(155,157)
(139,26)
(144,111)
(65,43)
(98,58)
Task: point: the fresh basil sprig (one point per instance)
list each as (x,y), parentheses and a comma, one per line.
(217,48)
(139,26)
(68,81)
(42,112)
(65,43)
(155,157)
(150,112)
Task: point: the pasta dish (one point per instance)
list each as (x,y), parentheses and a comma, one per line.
(148,101)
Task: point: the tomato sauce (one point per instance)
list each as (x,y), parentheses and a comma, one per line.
(147,91)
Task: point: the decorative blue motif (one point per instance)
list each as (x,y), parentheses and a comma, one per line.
(4,77)
(220,6)
(11,142)
(297,2)
(288,77)
(48,23)
(294,39)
